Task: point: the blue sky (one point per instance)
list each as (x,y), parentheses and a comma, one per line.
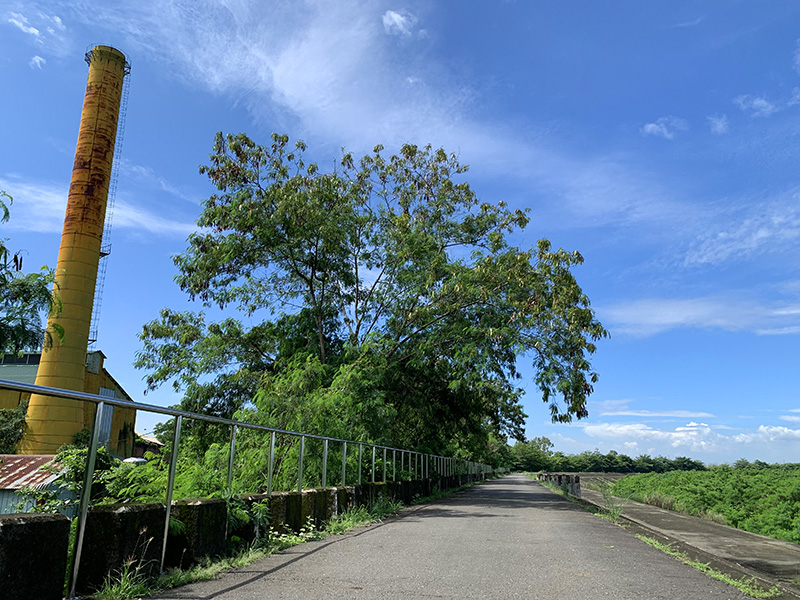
(658,138)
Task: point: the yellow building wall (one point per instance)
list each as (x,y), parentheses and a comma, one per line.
(11,399)
(95,377)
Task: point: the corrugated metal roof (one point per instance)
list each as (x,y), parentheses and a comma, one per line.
(19,373)
(18,471)
(150,439)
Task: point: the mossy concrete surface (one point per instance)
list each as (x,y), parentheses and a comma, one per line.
(33,556)
(201,533)
(117,534)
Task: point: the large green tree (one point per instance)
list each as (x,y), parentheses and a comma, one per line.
(379,300)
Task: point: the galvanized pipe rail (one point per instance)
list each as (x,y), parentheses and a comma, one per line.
(443,466)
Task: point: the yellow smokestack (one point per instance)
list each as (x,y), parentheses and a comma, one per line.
(54,421)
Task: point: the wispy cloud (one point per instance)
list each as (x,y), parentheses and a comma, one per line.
(37,62)
(796,56)
(751,229)
(39,207)
(757,106)
(679,414)
(666,127)
(619,408)
(398,22)
(148,177)
(130,217)
(336,76)
(21,22)
(731,312)
(46,30)
(692,23)
(718,124)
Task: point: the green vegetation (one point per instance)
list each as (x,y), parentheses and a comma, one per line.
(131,581)
(380,301)
(761,499)
(23,298)
(746,585)
(12,427)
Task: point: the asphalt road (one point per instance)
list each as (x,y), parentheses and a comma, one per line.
(507,538)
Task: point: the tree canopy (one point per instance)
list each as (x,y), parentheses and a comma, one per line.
(381,300)
(23,298)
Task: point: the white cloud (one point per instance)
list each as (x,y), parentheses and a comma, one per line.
(693,437)
(147,176)
(692,23)
(665,127)
(796,57)
(700,440)
(681,414)
(757,106)
(40,207)
(791,418)
(336,76)
(130,217)
(791,330)
(718,124)
(734,312)
(768,433)
(47,31)
(767,226)
(21,22)
(398,22)
(37,62)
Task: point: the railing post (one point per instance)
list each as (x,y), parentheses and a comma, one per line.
(384,465)
(360,448)
(373,464)
(86,496)
(344,464)
(394,465)
(173,464)
(271,463)
(230,457)
(324,464)
(300,465)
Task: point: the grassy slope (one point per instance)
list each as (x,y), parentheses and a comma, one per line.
(765,501)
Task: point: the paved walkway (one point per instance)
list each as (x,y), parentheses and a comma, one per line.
(728,549)
(507,538)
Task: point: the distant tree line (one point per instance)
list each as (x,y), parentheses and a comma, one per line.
(538,455)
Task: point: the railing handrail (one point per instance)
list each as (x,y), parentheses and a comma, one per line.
(443,465)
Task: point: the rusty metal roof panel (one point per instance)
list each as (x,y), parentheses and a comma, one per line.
(18,471)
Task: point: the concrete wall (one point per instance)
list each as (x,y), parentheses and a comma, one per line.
(33,556)
(133,533)
(570,482)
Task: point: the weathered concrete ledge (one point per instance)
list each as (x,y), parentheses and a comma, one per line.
(132,534)
(33,556)
(570,482)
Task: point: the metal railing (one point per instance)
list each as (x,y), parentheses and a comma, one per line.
(420,465)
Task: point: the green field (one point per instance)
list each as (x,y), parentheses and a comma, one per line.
(762,500)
